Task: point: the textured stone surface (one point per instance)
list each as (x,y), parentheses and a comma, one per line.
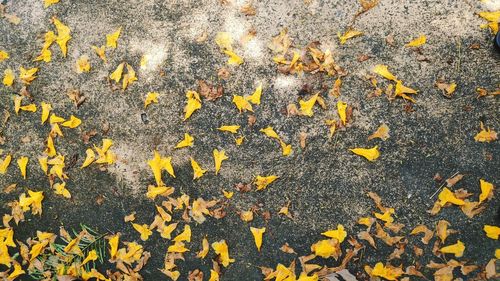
(325,183)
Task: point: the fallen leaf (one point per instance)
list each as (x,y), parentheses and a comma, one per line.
(188,141)
(457,249)
(229,128)
(417,42)
(151,97)
(486,190)
(257,235)
(262,182)
(219,156)
(371,154)
(112,39)
(492,231)
(383,71)
(382,133)
(198,172)
(486,135)
(348,35)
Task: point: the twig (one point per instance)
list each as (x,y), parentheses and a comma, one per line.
(442,185)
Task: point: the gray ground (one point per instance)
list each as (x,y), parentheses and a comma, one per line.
(325,184)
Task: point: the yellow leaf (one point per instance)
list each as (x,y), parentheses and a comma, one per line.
(485,135)
(27,75)
(446,196)
(371,154)
(49,38)
(269,131)
(29,107)
(89,158)
(143,230)
(82,64)
(22,162)
(128,78)
(228,194)
(16,272)
(417,42)
(46,108)
(193,104)
(306,107)
(491,16)
(92,256)
(326,248)
(233,59)
(257,236)
(246,216)
(456,249)
(63,35)
(219,156)
(222,250)
(177,248)
(4,164)
(186,142)
(60,189)
(255,97)
(185,235)
(47,3)
(205,248)
(386,216)
(101,52)
(151,97)
(117,74)
(486,189)
(43,164)
(340,234)
(286,148)
(382,133)
(402,90)
(112,39)
(389,273)
(113,245)
(348,35)
(8,78)
(239,140)
(45,55)
(214,276)
(341,110)
(224,41)
(197,170)
(492,231)
(154,191)
(157,164)
(262,182)
(73,122)
(383,71)
(241,103)
(3,55)
(229,128)
(55,119)
(50,150)
(166,231)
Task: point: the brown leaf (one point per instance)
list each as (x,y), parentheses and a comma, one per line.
(76,97)
(287,249)
(418,251)
(396,254)
(243,187)
(490,269)
(248,10)
(209,91)
(195,275)
(86,136)
(251,120)
(218,213)
(223,73)
(363,58)
(452,181)
(130,217)
(203,37)
(364,235)
(475,46)
(428,234)
(390,40)
(12,18)
(412,270)
(302,139)
(10,188)
(105,127)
